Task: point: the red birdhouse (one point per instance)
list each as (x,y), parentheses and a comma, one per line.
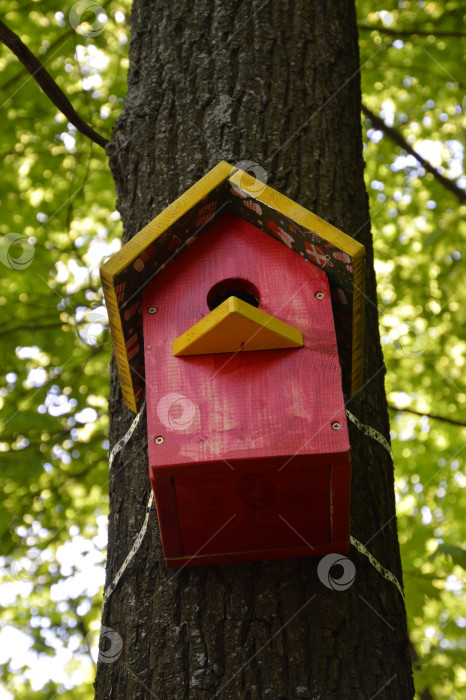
(238,307)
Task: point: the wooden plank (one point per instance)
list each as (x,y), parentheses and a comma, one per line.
(119,345)
(342,258)
(167,515)
(254,405)
(141,259)
(299,214)
(358,327)
(253,510)
(260,555)
(236,326)
(155,228)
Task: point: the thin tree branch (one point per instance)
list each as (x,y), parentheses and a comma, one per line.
(49,53)
(408,32)
(47,83)
(429,415)
(395,136)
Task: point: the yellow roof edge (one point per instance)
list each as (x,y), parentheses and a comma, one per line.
(155,228)
(119,346)
(300,215)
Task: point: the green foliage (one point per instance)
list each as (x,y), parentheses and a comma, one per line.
(58,198)
(414,82)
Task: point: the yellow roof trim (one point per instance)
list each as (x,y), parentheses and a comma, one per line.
(155,228)
(298,214)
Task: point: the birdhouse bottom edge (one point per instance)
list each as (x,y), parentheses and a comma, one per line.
(219,518)
(261,555)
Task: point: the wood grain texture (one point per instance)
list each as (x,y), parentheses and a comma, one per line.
(247,437)
(243,405)
(254,514)
(125,341)
(236,326)
(253,510)
(155,228)
(355,250)
(298,214)
(118,341)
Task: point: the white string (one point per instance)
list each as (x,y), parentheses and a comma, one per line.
(137,543)
(372,432)
(125,439)
(381,569)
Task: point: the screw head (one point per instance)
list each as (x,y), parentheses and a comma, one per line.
(158,440)
(319,295)
(152,310)
(336,426)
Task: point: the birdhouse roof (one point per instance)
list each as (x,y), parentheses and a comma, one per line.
(126,273)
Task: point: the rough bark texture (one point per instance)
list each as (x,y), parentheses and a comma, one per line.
(277,83)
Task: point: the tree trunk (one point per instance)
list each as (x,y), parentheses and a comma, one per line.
(276,83)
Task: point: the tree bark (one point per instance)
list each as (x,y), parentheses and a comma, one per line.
(276,83)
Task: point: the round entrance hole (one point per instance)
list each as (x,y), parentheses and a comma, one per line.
(233,287)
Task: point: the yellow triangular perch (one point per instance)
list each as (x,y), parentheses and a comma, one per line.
(235,326)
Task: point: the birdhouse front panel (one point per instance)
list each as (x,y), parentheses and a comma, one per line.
(248,445)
